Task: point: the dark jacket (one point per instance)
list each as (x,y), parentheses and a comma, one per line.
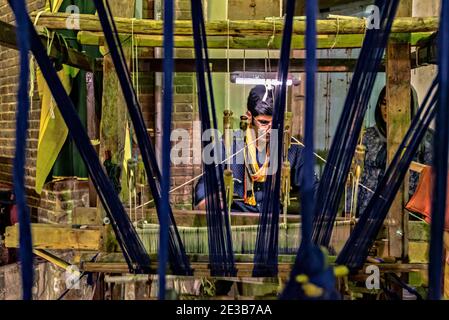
(375,164)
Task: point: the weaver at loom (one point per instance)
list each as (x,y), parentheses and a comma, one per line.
(250,167)
(257,189)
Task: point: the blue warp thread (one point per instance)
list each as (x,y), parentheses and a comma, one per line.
(221,255)
(343,146)
(26,249)
(441,140)
(179,262)
(310,259)
(266,251)
(166,143)
(355,250)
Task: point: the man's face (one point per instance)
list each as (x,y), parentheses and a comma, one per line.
(262,124)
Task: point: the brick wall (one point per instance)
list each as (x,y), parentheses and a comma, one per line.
(9,69)
(184,114)
(58,198)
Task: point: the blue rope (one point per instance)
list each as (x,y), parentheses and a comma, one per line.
(266,250)
(307,182)
(221,256)
(310,260)
(332,182)
(166,143)
(26,249)
(134,252)
(441,140)
(179,262)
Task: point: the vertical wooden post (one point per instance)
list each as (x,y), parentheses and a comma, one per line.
(114,111)
(298,92)
(93,127)
(398,76)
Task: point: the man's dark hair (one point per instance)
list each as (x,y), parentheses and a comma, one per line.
(256,105)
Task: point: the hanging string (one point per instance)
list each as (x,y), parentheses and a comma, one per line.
(336,36)
(228,159)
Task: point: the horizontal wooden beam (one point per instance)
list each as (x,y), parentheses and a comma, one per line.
(57,237)
(257,65)
(51,258)
(254,65)
(114,263)
(88,22)
(259,41)
(68,56)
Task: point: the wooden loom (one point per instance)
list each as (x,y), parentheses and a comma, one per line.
(191,223)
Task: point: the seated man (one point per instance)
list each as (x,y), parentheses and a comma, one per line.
(250,173)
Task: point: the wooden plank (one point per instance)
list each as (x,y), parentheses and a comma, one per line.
(85,216)
(57,237)
(58,50)
(93,125)
(241,28)
(446,265)
(259,41)
(398,121)
(243,269)
(417,167)
(51,258)
(256,65)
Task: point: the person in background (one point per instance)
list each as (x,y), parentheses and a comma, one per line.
(375,142)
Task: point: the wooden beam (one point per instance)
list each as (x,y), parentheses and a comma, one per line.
(446,265)
(114,116)
(114,263)
(57,237)
(88,22)
(51,258)
(417,167)
(398,80)
(220,65)
(259,41)
(58,50)
(257,65)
